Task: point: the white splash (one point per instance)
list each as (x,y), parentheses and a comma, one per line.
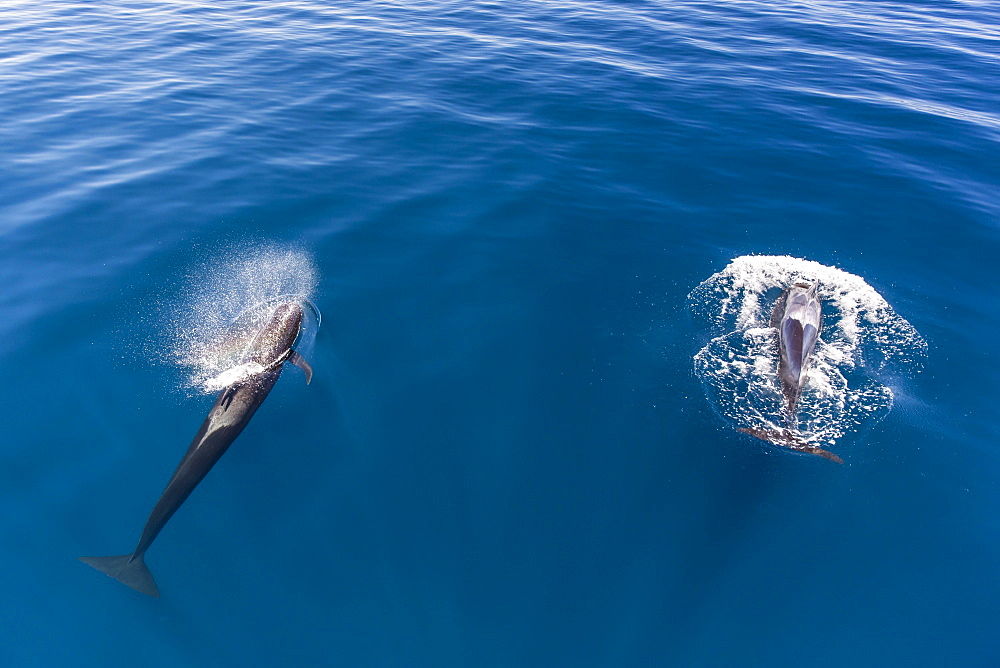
(225,305)
(861,335)
(236,374)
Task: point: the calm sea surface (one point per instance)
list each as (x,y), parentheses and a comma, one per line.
(507,456)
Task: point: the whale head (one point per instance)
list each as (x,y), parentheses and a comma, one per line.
(275,340)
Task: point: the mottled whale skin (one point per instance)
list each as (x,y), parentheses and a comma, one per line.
(797,317)
(233,409)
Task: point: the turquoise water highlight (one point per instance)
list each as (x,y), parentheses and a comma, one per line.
(506,456)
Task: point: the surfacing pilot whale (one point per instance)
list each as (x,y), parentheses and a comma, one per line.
(233,409)
(798,318)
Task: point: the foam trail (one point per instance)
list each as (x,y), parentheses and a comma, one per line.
(861,336)
(225,305)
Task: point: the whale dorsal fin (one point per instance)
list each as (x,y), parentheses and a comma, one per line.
(300,361)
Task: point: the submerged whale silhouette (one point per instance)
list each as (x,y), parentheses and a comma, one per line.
(233,409)
(797,318)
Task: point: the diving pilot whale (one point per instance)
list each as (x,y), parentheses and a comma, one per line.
(235,405)
(797,318)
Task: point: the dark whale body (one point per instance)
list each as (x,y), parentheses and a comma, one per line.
(797,318)
(232,411)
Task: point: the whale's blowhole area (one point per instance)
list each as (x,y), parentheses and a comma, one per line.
(224,307)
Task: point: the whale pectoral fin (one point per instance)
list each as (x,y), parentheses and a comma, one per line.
(300,361)
(779,309)
(813,450)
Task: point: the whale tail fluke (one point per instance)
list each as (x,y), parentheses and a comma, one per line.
(788,439)
(128,569)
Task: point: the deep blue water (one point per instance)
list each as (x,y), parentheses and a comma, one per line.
(506,457)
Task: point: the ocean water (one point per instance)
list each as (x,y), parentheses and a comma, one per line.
(526,226)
